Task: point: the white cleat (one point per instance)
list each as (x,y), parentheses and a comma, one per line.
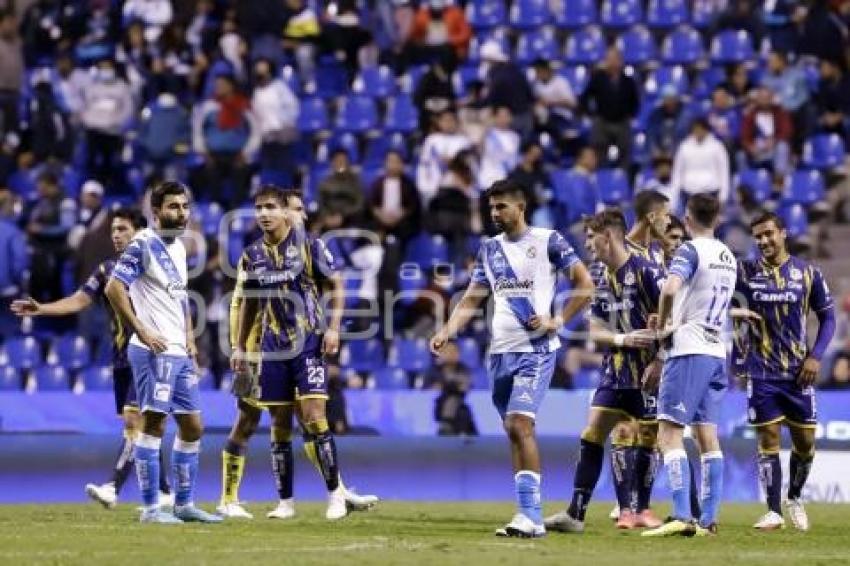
(284,510)
(563,523)
(797,513)
(521,527)
(233,510)
(103,494)
(165,500)
(356,502)
(770,521)
(336,505)
(614,515)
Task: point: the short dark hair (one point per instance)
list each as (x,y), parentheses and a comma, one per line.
(165,189)
(131,215)
(48,176)
(704,209)
(280,194)
(608,218)
(645,201)
(541,63)
(506,187)
(676,224)
(767,216)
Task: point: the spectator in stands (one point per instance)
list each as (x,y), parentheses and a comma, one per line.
(738,83)
(741,15)
(839,378)
(135,55)
(668,123)
(233,49)
(202,24)
(164,132)
(11,72)
(555,103)
(70,86)
(784,20)
(662,177)
(450,212)
(505,84)
(48,131)
(438,149)
(276,108)
(439,25)
(301,34)
(766,133)
(48,224)
(825,31)
(789,85)
(394,24)
(435,93)
(154,14)
(42,29)
(532,178)
(340,193)
(612,100)
(89,209)
(175,67)
(107,110)
(473,112)
(347,37)
(832,101)
(724,117)
(14,262)
(500,150)
(701,165)
(225,132)
(394,203)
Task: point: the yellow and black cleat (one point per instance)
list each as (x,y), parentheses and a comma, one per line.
(673,528)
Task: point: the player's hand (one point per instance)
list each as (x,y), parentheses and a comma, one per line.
(26,307)
(652,322)
(238,361)
(192,351)
(746,315)
(640,339)
(330,342)
(538,322)
(652,376)
(152,340)
(809,373)
(438,341)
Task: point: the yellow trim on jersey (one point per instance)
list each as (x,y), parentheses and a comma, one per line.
(311,396)
(621,412)
(795,424)
(262,405)
(767,423)
(647,422)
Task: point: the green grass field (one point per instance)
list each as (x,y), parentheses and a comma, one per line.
(396,533)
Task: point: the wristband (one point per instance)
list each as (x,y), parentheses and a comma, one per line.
(619,340)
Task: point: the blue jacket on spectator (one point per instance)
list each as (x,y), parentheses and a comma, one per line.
(209,137)
(14,260)
(164,129)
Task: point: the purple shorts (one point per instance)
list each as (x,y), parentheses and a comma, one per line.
(284,381)
(633,402)
(770,401)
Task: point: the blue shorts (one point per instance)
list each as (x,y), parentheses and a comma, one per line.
(691,389)
(124,390)
(520,380)
(164,384)
(773,401)
(631,401)
(284,381)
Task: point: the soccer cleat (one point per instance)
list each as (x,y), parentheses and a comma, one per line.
(191,514)
(103,494)
(233,510)
(337,508)
(284,510)
(521,527)
(165,500)
(673,528)
(626,520)
(563,523)
(158,516)
(797,513)
(615,513)
(356,502)
(647,519)
(709,531)
(770,521)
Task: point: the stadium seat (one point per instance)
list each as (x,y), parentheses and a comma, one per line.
(97,378)
(331,78)
(402,115)
(72,352)
(576,192)
(664,14)
(411,355)
(377,149)
(362,355)
(613,186)
(574,14)
(637,46)
(408,81)
(703,13)
(824,151)
(621,14)
(469,352)
(486,14)
(682,47)
(352,282)
(539,44)
(10,379)
(805,187)
(377,82)
(23,352)
(731,46)
(585,47)
(463,77)
(796,221)
(529,14)
(208,215)
(578,76)
(658,78)
(313,116)
(411,280)
(346,141)
(500,36)
(758,184)
(390,379)
(52,378)
(427,250)
(357,113)
(480,379)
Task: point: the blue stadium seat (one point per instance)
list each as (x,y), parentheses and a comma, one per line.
(529,14)
(621,14)
(362,355)
(72,352)
(480,379)
(585,47)
(10,379)
(796,221)
(377,149)
(377,82)
(576,14)
(575,192)
(357,113)
(486,14)
(52,378)
(408,81)
(352,282)
(658,78)
(758,184)
(578,76)
(331,78)
(682,47)
(469,352)
(703,13)
(731,46)
(97,378)
(391,379)
(637,46)
(339,140)
(427,250)
(411,280)
(804,187)
(539,44)
(663,14)
(402,115)
(477,42)
(313,116)
(463,77)
(23,352)
(208,215)
(824,151)
(410,355)
(613,186)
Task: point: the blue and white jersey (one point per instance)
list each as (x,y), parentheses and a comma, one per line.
(521,275)
(701,308)
(155,275)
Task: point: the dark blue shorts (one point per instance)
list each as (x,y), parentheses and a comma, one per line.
(692,388)
(773,401)
(285,381)
(124,389)
(632,402)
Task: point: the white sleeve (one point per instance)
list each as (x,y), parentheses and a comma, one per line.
(723,172)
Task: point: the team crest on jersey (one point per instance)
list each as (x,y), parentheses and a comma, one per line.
(291,252)
(796,274)
(629,279)
(531,252)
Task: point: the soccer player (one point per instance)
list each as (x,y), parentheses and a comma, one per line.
(693,311)
(250,412)
(282,279)
(627,291)
(125,224)
(147,289)
(780,366)
(519,267)
(674,236)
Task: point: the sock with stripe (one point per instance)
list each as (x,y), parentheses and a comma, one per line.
(527,485)
(646,465)
(712,487)
(185,466)
(622,475)
(146,455)
(232,468)
(770,477)
(679,480)
(283,463)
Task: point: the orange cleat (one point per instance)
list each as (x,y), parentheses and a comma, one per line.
(626,520)
(647,519)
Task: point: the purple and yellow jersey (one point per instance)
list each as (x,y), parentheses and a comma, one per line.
(622,303)
(288,277)
(653,253)
(95,287)
(783,296)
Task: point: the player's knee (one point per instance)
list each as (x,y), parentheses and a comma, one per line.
(648,436)
(623,435)
(317,426)
(153,424)
(518,428)
(768,440)
(281,434)
(593,435)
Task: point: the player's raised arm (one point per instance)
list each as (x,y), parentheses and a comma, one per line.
(71,304)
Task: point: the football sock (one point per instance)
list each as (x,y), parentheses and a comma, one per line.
(310,452)
(646,464)
(712,487)
(123,464)
(326,454)
(283,466)
(800,466)
(588,469)
(679,480)
(232,467)
(696,509)
(528,495)
(622,474)
(770,477)
(164,485)
(146,453)
(185,466)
